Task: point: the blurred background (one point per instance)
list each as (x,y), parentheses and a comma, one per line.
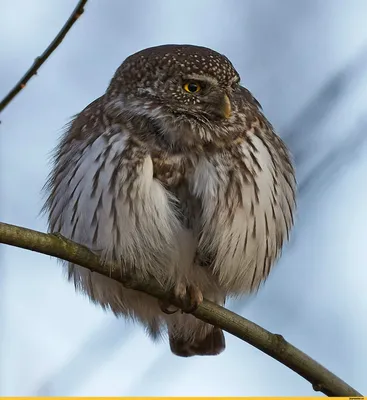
(306,62)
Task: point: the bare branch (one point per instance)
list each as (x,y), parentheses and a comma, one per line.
(272,344)
(78,11)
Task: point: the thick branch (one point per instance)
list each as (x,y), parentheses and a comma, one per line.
(271,344)
(78,11)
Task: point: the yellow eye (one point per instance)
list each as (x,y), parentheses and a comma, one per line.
(192,87)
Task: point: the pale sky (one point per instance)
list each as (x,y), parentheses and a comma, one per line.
(306,62)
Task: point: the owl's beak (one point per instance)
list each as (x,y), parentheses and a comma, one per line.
(226,107)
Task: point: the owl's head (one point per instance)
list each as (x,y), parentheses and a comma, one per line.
(183,82)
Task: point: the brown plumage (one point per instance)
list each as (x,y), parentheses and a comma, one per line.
(174,172)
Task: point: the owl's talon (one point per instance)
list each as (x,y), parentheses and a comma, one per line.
(190,296)
(166,307)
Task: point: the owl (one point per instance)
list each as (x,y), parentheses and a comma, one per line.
(173,173)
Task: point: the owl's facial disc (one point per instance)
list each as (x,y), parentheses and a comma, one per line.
(197,95)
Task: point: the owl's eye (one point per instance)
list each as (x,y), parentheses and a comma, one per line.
(192,87)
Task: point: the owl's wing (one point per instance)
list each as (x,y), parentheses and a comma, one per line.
(82,169)
(102,194)
(248,199)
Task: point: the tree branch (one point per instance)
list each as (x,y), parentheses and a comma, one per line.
(272,344)
(78,11)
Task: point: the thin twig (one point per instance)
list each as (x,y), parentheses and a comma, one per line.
(78,11)
(272,344)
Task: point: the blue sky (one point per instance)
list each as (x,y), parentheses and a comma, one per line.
(306,62)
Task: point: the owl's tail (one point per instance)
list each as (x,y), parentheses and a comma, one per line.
(204,341)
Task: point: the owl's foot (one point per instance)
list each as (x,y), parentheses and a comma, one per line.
(190,296)
(166,307)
